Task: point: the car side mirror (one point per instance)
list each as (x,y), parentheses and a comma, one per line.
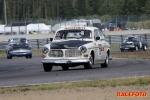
(97,38)
(51,39)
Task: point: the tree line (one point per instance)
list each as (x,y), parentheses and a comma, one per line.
(71,8)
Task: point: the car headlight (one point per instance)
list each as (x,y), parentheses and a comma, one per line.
(45,50)
(29,48)
(11,49)
(83,49)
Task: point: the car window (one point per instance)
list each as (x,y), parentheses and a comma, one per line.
(23,40)
(130,38)
(99,33)
(142,39)
(14,40)
(96,33)
(69,34)
(9,41)
(138,39)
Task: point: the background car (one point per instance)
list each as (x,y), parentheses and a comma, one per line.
(134,43)
(18,47)
(74,46)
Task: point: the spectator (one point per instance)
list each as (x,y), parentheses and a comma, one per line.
(30,32)
(33,32)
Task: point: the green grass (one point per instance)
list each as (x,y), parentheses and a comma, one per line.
(2,53)
(138,81)
(115,47)
(134,55)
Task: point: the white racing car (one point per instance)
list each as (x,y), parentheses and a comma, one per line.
(74,46)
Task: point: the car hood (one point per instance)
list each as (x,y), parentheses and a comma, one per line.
(20,46)
(127,43)
(68,44)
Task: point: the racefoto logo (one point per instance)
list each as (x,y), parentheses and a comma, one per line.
(131,94)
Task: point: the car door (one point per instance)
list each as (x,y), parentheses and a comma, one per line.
(139,42)
(99,50)
(142,42)
(104,45)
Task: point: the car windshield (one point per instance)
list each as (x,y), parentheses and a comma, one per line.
(76,34)
(22,40)
(130,39)
(14,40)
(18,41)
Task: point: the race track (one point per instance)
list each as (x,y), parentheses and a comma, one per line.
(20,71)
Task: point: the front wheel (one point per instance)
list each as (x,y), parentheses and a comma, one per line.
(47,67)
(26,57)
(106,63)
(122,50)
(65,67)
(9,56)
(30,56)
(90,63)
(144,48)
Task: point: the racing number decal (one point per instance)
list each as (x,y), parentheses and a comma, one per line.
(100,52)
(140,44)
(102,49)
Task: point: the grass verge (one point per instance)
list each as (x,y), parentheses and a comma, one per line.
(136,81)
(134,55)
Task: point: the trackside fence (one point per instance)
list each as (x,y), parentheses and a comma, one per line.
(112,39)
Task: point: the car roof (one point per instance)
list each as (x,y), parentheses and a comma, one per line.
(17,38)
(134,36)
(78,27)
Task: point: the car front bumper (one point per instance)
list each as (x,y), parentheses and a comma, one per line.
(127,48)
(20,52)
(65,61)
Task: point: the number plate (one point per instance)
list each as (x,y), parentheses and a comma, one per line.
(61,61)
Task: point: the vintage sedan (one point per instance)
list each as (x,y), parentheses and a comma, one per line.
(18,46)
(134,43)
(74,46)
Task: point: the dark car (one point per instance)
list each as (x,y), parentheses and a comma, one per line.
(18,47)
(134,43)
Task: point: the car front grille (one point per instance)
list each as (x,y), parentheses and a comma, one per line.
(68,53)
(56,53)
(72,53)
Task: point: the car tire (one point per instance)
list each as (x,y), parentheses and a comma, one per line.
(106,63)
(132,50)
(65,67)
(27,57)
(30,56)
(144,48)
(89,65)
(47,67)
(9,56)
(122,50)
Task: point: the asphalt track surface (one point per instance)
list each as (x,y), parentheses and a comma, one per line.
(20,71)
